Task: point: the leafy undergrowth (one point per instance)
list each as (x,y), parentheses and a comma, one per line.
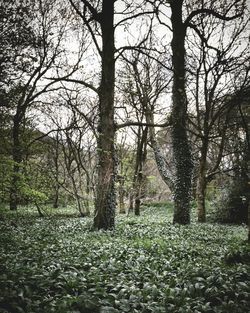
(145,265)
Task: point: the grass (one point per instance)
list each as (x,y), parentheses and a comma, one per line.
(145,265)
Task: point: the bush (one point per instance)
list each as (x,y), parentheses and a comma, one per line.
(231,204)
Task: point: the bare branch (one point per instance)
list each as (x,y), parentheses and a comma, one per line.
(134,16)
(71,80)
(134,123)
(210,12)
(86,22)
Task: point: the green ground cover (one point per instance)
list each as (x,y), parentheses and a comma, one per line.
(146,264)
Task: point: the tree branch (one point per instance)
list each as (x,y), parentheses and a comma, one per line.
(77,81)
(86,22)
(134,16)
(134,123)
(210,12)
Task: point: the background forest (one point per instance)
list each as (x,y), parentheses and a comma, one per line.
(73,129)
(114,109)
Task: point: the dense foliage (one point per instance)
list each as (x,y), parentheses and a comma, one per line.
(145,265)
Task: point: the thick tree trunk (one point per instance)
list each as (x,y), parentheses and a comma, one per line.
(181,148)
(105,204)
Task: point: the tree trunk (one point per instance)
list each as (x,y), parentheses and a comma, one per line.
(141,154)
(121,195)
(56,197)
(201,196)
(131,202)
(76,195)
(55,158)
(202,184)
(105,204)
(248,220)
(181,147)
(87,205)
(160,160)
(39,210)
(17,159)
(138,204)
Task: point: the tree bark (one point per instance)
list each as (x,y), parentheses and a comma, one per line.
(181,147)
(121,195)
(55,158)
(105,204)
(201,194)
(140,177)
(248,219)
(87,205)
(17,159)
(202,182)
(141,153)
(131,202)
(160,160)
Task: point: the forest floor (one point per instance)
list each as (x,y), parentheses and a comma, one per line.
(58,264)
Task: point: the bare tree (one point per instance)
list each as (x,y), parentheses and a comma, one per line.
(216,59)
(98,17)
(184,16)
(146,84)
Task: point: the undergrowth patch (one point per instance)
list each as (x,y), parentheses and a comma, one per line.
(145,265)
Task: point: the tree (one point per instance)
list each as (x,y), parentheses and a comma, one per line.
(92,16)
(35,55)
(216,59)
(151,85)
(99,20)
(105,197)
(233,202)
(181,147)
(18,38)
(145,86)
(183,18)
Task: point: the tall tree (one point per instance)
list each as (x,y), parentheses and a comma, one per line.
(98,17)
(216,61)
(181,147)
(183,17)
(102,16)
(105,200)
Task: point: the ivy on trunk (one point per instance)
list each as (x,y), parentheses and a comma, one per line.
(181,147)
